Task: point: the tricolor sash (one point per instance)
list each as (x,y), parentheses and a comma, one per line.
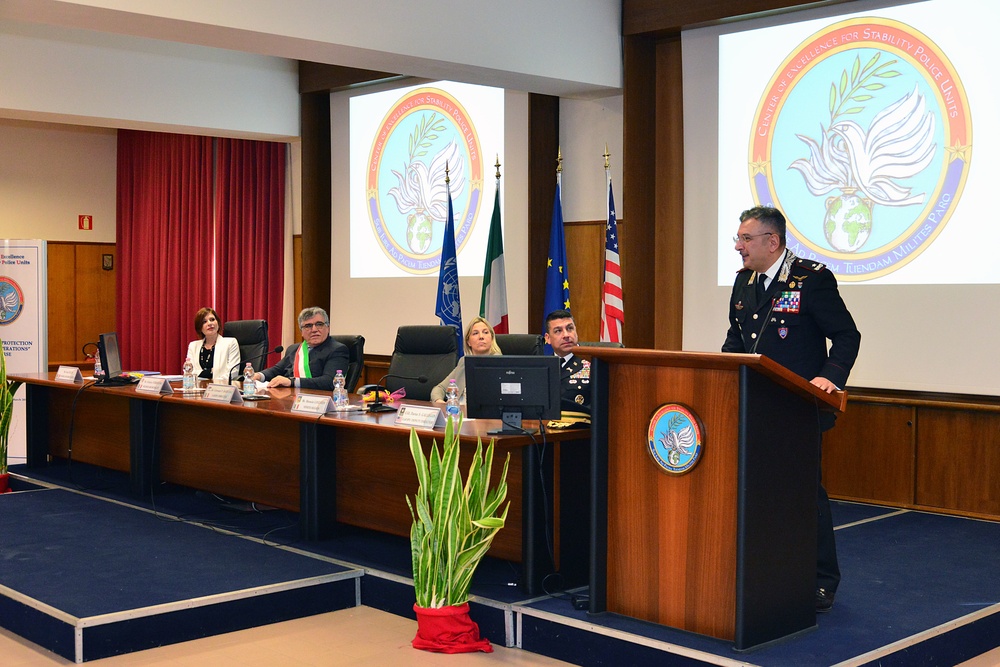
(302,362)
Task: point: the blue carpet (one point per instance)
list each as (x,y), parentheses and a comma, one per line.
(903,574)
(76,542)
(495,578)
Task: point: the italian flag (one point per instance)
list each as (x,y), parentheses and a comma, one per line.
(493,305)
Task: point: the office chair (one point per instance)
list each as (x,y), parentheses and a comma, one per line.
(429,350)
(520,343)
(356,356)
(252,338)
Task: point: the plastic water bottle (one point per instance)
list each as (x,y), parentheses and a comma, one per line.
(248,384)
(98,369)
(188,369)
(452,407)
(340,399)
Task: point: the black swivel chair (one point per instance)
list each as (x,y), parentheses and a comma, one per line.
(252,338)
(520,343)
(429,350)
(356,357)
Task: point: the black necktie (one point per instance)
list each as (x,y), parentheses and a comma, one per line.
(760,287)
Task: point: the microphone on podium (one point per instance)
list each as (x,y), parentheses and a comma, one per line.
(377,405)
(261,359)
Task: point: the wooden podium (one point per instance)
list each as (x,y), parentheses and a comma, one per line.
(728,548)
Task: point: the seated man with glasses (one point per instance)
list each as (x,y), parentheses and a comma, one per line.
(313,363)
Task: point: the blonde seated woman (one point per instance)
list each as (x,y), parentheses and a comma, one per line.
(479,339)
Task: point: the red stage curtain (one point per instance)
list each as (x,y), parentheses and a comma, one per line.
(250,222)
(164,235)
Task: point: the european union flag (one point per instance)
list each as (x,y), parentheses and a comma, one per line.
(556,276)
(449,305)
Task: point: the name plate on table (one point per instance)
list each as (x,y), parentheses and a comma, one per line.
(223,393)
(419,415)
(312,404)
(154,385)
(69,374)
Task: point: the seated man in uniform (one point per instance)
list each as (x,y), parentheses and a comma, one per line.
(313,363)
(560,333)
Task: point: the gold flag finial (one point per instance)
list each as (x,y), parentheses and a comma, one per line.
(559,161)
(447,178)
(607,157)
(497,165)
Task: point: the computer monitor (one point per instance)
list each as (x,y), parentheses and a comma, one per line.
(512,388)
(111,360)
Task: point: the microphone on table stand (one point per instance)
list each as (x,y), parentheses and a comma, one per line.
(377,405)
(262,358)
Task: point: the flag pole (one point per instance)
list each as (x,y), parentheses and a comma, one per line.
(493,301)
(612,305)
(449,302)
(556,271)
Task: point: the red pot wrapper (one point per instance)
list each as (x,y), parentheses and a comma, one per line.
(448,630)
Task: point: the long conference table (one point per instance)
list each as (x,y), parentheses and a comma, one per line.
(350,468)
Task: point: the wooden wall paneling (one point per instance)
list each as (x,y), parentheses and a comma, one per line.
(62,315)
(95,294)
(668,259)
(322,78)
(376,365)
(316,199)
(871,454)
(958,460)
(543,149)
(638,193)
(585,258)
(297,276)
(659,17)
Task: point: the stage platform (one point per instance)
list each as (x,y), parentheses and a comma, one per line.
(89,571)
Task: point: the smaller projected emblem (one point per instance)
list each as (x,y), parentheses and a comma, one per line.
(863,137)
(675,438)
(11,300)
(426,131)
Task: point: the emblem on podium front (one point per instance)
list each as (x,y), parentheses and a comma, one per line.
(675,438)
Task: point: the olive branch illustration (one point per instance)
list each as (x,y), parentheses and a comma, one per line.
(861,79)
(423,135)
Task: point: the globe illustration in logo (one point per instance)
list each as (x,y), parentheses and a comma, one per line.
(848,222)
(419,230)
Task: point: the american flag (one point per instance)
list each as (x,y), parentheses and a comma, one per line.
(612,310)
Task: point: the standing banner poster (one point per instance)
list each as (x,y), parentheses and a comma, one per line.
(23,323)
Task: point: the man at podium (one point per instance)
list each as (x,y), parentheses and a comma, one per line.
(787,308)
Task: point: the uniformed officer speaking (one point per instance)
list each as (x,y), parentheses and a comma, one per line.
(787,308)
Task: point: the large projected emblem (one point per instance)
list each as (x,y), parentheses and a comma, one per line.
(863,137)
(425,130)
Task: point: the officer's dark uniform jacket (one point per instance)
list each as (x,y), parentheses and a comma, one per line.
(801,309)
(575,380)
